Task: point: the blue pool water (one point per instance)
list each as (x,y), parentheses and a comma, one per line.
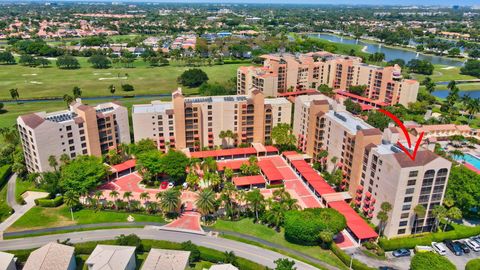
(473,160)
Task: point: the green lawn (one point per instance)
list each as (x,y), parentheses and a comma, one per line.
(443,73)
(246,226)
(13,110)
(54,82)
(39,218)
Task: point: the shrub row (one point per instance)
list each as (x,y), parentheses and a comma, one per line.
(345,258)
(49,202)
(458,232)
(473,264)
(5,172)
(276,186)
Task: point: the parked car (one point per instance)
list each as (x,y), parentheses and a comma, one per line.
(403,252)
(171,185)
(164,185)
(463,246)
(454,248)
(476,239)
(439,248)
(420,249)
(473,245)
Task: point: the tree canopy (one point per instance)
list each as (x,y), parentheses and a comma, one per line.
(464,188)
(430,260)
(193,77)
(83,174)
(173,164)
(304,227)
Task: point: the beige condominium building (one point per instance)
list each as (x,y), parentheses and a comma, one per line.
(198,122)
(282,73)
(374,169)
(389,175)
(80,130)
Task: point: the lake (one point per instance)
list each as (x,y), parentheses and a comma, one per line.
(444,93)
(390,53)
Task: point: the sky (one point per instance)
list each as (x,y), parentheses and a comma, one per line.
(349,2)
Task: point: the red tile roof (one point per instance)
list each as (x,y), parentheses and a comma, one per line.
(32,120)
(231,152)
(124,166)
(232,164)
(355,223)
(312,177)
(248,180)
(371,101)
(270,170)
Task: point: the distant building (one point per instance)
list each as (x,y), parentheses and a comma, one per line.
(80,130)
(7,261)
(52,256)
(109,257)
(443,132)
(197,122)
(287,72)
(161,259)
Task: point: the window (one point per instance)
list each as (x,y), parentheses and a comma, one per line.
(407,199)
(401,231)
(411,182)
(403,223)
(69,128)
(406,207)
(404,215)
(409,190)
(413,174)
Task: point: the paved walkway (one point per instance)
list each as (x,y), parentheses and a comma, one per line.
(20,210)
(256,254)
(188,221)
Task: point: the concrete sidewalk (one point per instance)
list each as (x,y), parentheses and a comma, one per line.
(20,210)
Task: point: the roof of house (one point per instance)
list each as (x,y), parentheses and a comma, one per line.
(5,260)
(109,257)
(248,180)
(232,164)
(223,267)
(231,152)
(165,259)
(52,256)
(422,158)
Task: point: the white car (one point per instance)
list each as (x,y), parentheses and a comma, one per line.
(473,245)
(171,185)
(440,248)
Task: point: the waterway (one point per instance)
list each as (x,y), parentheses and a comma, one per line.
(390,53)
(87,98)
(444,93)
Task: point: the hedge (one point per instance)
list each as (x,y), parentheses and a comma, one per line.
(459,232)
(345,258)
(473,264)
(5,172)
(430,260)
(49,202)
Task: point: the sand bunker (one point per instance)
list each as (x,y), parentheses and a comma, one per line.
(450,67)
(35,82)
(32,74)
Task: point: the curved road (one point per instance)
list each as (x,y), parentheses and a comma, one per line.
(253,253)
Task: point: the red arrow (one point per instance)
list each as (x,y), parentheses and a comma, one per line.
(407,136)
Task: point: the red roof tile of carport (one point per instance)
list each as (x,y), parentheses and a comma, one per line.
(270,171)
(248,180)
(355,223)
(124,166)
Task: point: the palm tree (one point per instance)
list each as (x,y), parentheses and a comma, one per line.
(127,195)
(448,202)
(230,257)
(145,196)
(452,84)
(112,89)
(453,213)
(228,174)
(151,207)
(158,196)
(68,99)
(71,199)
(52,161)
(113,194)
(64,159)
(473,107)
(192,179)
(383,215)
(209,164)
(275,214)
(226,197)
(206,202)
(255,199)
(420,212)
(439,212)
(170,201)
(14,94)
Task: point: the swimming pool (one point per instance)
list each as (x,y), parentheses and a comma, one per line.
(473,160)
